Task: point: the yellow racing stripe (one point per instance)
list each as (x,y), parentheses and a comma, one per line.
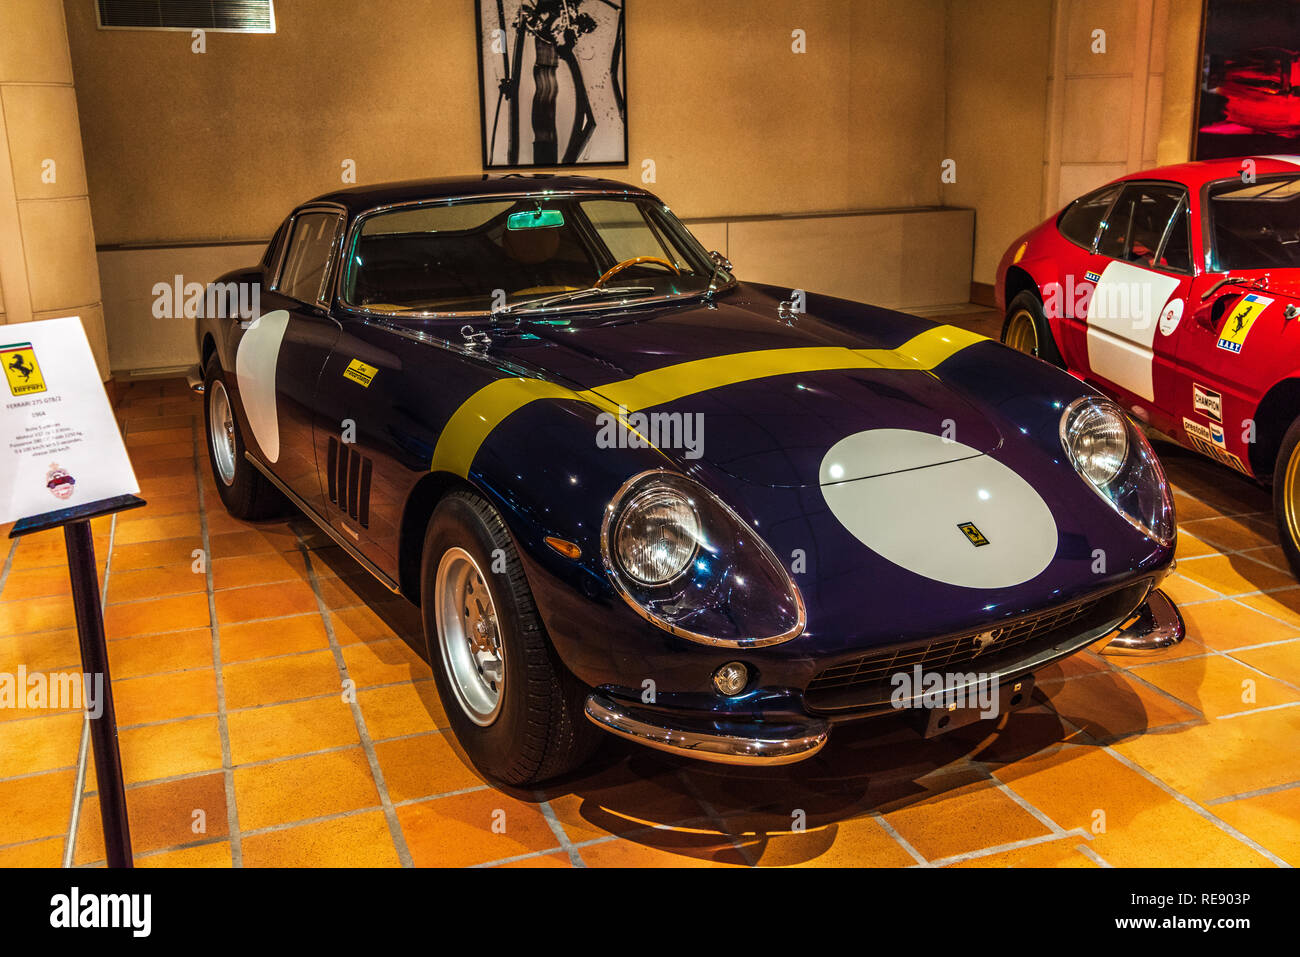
(473,422)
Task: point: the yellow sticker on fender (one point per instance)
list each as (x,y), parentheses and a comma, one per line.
(21,370)
(1240,319)
(360,373)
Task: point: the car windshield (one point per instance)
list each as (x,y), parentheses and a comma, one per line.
(490,254)
(1256,225)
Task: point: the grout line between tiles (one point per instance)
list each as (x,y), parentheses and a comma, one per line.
(1093,856)
(367,745)
(1246,795)
(557,828)
(223,728)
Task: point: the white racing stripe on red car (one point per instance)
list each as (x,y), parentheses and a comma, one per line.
(1122,319)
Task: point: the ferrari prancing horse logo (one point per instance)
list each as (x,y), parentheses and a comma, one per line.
(21,369)
(1243,316)
(973,534)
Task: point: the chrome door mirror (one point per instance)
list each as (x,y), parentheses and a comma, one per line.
(720,260)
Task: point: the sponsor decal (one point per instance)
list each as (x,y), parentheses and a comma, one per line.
(973,534)
(360,373)
(1209,443)
(1216,434)
(1092,276)
(21,369)
(1170,317)
(1207,402)
(59,482)
(1238,324)
(1196,431)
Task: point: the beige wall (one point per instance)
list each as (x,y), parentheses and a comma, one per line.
(1178,97)
(1129,108)
(1034,117)
(998,58)
(208,149)
(47,243)
(217,146)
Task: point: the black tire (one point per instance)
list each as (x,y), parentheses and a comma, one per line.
(1286,496)
(1027,305)
(249,494)
(539,731)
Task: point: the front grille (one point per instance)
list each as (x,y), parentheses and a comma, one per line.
(865,680)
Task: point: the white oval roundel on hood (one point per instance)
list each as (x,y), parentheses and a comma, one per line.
(953,515)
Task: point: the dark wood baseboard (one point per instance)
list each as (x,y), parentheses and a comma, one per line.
(982,294)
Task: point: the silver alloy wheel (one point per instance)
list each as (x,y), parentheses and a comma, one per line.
(469,636)
(221,432)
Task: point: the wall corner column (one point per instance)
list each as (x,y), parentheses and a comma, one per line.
(48,265)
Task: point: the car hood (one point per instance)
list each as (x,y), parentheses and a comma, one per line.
(762,398)
(1273,282)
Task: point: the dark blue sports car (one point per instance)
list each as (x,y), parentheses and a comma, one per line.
(631,493)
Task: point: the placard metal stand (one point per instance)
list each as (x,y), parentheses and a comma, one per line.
(94,658)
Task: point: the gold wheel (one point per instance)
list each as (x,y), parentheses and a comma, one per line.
(1022,332)
(1291,496)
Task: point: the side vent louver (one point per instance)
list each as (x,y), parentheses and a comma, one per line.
(348,481)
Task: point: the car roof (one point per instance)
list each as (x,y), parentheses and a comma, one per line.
(1200,172)
(358,199)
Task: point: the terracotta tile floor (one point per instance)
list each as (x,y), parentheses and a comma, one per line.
(239,747)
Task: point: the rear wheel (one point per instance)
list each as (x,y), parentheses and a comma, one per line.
(1286,495)
(515,708)
(1026,329)
(245,491)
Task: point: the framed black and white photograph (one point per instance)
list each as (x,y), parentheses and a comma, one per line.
(553,82)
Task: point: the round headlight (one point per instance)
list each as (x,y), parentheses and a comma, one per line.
(1095,435)
(657,535)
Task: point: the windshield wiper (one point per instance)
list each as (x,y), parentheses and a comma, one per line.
(528,305)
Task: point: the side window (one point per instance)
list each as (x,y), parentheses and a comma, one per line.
(273,248)
(1114,231)
(1177,253)
(1081,218)
(308,257)
(1135,228)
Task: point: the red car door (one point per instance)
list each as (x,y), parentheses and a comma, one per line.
(1142,274)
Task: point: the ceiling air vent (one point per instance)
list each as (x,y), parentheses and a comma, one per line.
(224,16)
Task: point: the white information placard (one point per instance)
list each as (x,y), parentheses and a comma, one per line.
(60,445)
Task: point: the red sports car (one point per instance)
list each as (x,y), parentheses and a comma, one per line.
(1177,291)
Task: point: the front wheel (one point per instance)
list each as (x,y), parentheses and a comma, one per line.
(1286,495)
(245,491)
(515,708)
(1027,330)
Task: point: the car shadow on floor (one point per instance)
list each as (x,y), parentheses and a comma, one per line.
(685,809)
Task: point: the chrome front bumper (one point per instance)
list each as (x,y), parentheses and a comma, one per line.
(722,743)
(1155,626)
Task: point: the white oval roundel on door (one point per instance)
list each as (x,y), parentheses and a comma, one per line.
(255,362)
